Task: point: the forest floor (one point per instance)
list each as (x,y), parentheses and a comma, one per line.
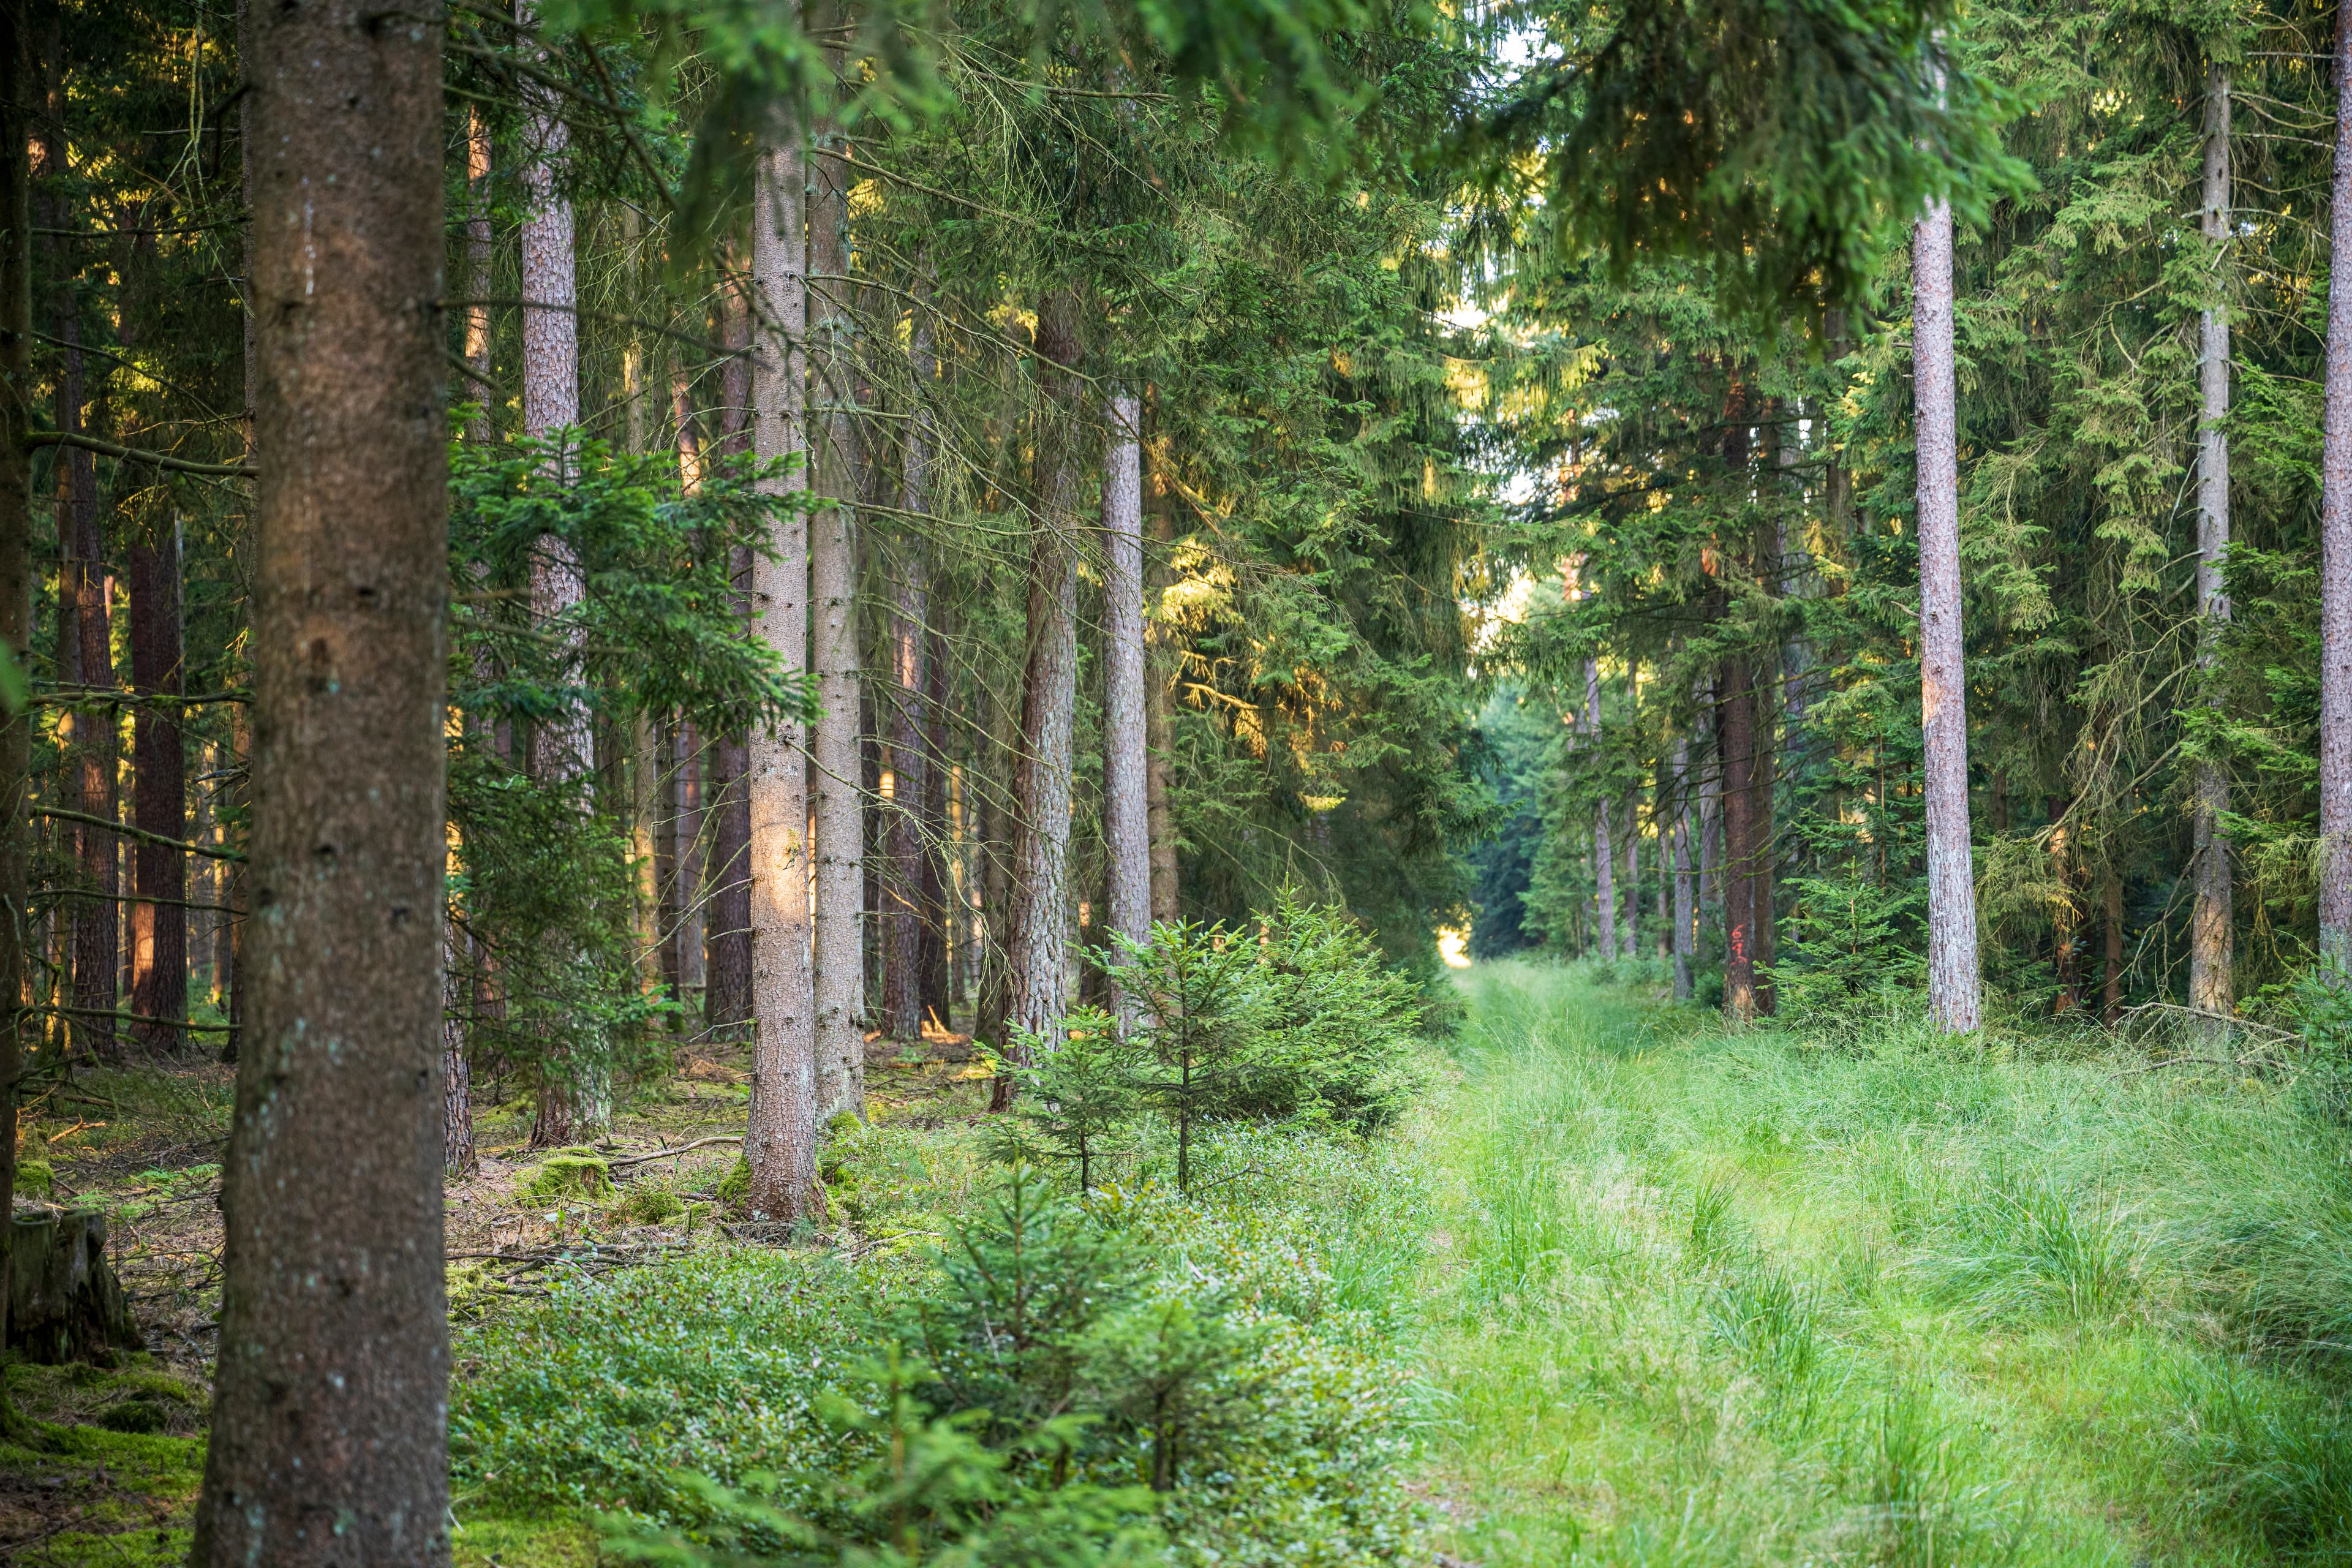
(1666,1296)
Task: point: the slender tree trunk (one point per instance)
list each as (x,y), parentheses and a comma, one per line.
(2210,986)
(1952,974)
(901,908)
(1764,841)
(573,1093)
(1127,806)
(1685,917)
(17,112)
(727,994)
(995,833)
(936,953)
(780,1142)
(84,643)
(1037,940)
(838,766)
(911,763)
(478,277)
(2335,550)
(1736,749)
(1604,863)
(1160,742)
(159,787)
(329,1441)
(457,1156)
(1630,936)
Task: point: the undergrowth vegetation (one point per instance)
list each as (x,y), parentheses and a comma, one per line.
(1866,1294)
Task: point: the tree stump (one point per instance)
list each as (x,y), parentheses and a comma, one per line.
(65,1303)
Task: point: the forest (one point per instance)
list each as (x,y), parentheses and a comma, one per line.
(959,783)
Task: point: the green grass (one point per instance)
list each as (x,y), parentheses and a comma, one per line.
(1873,1296)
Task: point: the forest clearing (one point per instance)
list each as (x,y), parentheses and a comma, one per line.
(1621,1288)
(1218,784)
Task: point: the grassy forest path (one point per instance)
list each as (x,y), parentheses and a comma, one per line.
(1707,1299)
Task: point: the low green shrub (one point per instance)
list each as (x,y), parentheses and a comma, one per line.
(648,1206)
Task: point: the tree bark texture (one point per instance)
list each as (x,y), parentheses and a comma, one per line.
(1952,973)
(574,1092)
(940,938)
(908,899)
(458,1157)
(478,259)
(1629,935)
(838,766)
(1127,807)
(158,788)
(329,1438)
(1685,943)
(2210,986)
(1159,741)
(16,116)
(1604,863)
(901,908)
(780,1142)
(1038,937)
(727,980)
(1735,737)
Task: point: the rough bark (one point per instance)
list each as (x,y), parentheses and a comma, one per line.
(458,1157)
(899,909)
(2210,986)
(1604,863)
(2335,550)
(1038,933)
(1952,974)
(1686,918)
(1158,692)
(909,899)
(573,1093)
(1629,934)
(1127,807)
(840,816)
(159,789)
(17,115)
(65,1303)
(780,1142)
(1764,844)
(329,1439)
(727,980)
(84,651)
(478,254)
(939,938)
(1735,739)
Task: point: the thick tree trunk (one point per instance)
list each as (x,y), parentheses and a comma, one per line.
(1037,935)
(159,789)
(329,1441)
(16,116)
(840,841)
(993,834)
(1127,806)
(1604,863)
(1952,974)
(1736,750)
(2210,987)
(780,1142)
